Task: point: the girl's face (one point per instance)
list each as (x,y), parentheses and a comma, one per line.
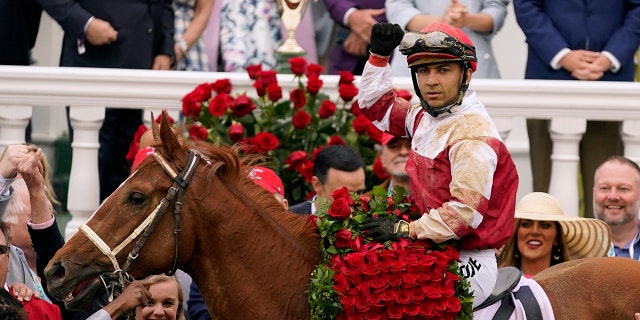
(164,302)
(536,239)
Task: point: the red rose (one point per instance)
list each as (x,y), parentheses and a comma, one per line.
(236,132)
(347,92)
(355,108)
(343,239)
(395,312)
(346,77)
(220,104)
(431,292)
(378,169)
(222,86)
(306,170)
(327,109)
(339,209)
(197,132)
(134,146)
(453,304)
(169,119)
(242,106)
(254,71)
(274,92)
(314,70)
(301,119)
(370,272)
(404,94)
(336,140)
(298,98)
(260,89)
(202,92)
(403,297)
(361,124)
(364,203)
(354,260)
(379,285)
(191,107)
(411,310)
(313,86)
(295,159)
(343,194)
(409,280)
(417,296)
(267,77)
(298,65)
(265,141)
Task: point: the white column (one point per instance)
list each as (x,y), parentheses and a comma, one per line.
(84,182)
(13,122)
(566,134)
(631,139)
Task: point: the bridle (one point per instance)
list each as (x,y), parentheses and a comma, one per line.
(114,282)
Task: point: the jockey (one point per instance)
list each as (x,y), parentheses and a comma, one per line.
(462,175)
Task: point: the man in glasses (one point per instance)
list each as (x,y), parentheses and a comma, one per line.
(461,174)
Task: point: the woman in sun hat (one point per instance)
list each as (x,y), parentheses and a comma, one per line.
(543,236)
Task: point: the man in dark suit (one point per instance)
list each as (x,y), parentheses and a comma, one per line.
(19,24)
(578,40)
(334,167)
(129,34)
(354,20)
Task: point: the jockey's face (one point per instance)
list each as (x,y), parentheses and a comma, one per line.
(440,83)
(616,194)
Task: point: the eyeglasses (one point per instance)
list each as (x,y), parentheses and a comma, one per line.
(3,249)
(437,42)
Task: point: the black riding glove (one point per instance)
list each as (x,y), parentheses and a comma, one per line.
(385,37)
(385,229)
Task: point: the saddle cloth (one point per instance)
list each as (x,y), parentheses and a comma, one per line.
(525,288)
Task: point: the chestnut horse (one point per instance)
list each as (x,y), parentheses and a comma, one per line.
(194,208)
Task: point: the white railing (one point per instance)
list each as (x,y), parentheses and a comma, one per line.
(88,90)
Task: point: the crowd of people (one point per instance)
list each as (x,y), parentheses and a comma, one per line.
(445,151)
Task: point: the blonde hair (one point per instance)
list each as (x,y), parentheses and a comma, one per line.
(158,278)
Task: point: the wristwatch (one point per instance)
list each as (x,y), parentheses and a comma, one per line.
(182,45)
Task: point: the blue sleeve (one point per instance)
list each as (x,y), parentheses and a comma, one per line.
(195,305)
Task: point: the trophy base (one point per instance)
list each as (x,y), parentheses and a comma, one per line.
(282,60)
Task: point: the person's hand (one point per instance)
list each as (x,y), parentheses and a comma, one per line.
(598,65)
(385,37)
(385,229)
(31,170)
(161,62)
(456,14)
(636,316)
(355,46)
(134,295)
(12,157)
(22,292)
(100,32)
(361,21)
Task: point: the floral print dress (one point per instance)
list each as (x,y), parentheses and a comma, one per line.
(249,34)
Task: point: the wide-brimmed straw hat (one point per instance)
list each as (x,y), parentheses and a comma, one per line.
(585,237)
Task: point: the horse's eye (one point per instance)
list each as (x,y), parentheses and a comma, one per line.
(136,198)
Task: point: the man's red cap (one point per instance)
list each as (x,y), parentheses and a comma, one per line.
(141,155)
(267,179)
(386,138)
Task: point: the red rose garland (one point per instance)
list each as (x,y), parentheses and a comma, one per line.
(362,279)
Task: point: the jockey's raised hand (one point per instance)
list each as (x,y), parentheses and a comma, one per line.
(385,37)
(385,229)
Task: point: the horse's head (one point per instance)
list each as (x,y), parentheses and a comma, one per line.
(136,231)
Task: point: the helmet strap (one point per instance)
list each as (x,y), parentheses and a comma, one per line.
(436,112)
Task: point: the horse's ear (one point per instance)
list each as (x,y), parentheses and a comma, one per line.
(167,135)
(155,128)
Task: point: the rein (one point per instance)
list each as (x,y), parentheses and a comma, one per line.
(114,282)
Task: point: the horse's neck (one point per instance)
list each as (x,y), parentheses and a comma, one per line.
(247,265)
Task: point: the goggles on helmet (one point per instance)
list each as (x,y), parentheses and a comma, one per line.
(436,42)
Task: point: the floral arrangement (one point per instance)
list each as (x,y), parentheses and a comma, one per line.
(288,132)
(362,279)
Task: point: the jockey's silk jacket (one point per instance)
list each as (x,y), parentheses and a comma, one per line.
(462,175)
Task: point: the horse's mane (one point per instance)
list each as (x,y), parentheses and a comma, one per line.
(232,170)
